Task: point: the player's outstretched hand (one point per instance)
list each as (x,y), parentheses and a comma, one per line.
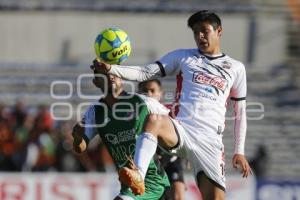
(239,161)
(100,67)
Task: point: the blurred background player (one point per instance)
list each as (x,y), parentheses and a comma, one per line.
(114,120)
(172,164)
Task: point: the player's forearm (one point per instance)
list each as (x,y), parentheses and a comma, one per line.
(136,73)
(240,127)
(79,144)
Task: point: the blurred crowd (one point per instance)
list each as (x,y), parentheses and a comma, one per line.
(30,140)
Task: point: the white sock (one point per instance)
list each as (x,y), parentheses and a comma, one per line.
(146,145)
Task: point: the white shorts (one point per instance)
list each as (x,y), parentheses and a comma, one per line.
(205,154)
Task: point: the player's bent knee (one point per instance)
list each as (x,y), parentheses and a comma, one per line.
(155,118)
(213,195)
(155,121)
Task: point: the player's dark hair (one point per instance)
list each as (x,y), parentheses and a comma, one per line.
(141,85)
(204,16)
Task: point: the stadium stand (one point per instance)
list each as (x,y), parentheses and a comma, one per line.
(146,6)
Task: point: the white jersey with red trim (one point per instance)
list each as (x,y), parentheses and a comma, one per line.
(203,86)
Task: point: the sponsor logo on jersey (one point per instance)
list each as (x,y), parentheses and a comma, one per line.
(210,79)
(206,89)
(121,136)
(126,135)
(203,95)
(112,138)
(225,64)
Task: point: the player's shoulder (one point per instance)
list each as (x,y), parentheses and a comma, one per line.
(92,105)
(184,52)
(229,62)
(136,95)
(187,51)
(90,111)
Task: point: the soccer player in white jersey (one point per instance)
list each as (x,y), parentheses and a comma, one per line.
(206,78)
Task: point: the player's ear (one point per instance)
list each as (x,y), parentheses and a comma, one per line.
(219,30)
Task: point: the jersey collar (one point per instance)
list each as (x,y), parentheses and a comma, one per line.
(123,93)
(210,57)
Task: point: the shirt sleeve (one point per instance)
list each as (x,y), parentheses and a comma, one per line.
(136,73)
(238,95)
(239,87)
(154,106)
(170,63)
(240,127)
(89,123)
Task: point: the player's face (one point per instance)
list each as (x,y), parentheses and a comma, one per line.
(114,84)
(206,38)
(152,89)
(108,82)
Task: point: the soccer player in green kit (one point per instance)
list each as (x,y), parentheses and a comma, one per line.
(118,119)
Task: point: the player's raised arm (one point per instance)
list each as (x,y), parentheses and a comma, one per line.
(132,73)
(168,65)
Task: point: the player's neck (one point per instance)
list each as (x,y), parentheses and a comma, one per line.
(111,99)
(215,52)
(213,55)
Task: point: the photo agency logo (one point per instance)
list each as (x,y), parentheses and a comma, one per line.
(72,100)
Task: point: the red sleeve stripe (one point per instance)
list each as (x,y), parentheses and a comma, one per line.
(179,80)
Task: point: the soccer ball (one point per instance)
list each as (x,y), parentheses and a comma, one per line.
(112,46)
